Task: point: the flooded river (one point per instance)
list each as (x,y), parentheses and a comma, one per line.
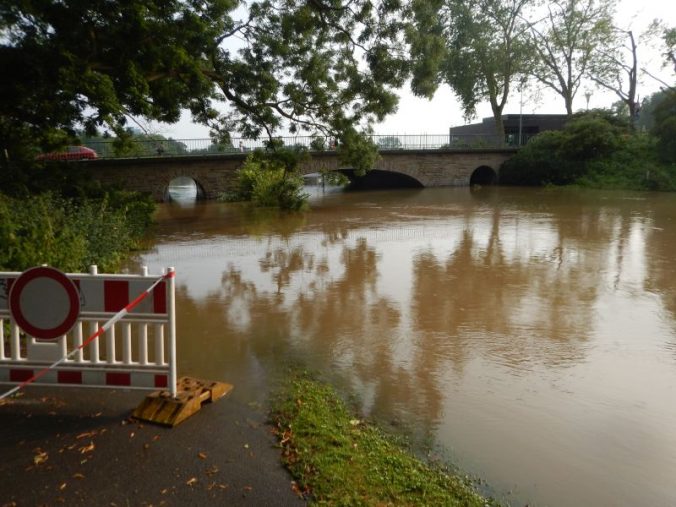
(529,334)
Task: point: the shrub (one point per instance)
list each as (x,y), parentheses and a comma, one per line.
(540,163)
(592,150)
(665,127)
(587,138)
(266,182)
(68,234)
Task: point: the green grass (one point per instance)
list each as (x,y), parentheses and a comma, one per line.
(337,459)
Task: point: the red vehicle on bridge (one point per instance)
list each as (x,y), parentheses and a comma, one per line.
(71,153)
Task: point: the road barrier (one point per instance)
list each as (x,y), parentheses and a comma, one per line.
(88,330)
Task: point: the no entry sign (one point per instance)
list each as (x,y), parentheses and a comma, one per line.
(44,302)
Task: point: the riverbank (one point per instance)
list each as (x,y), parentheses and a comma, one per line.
(338,459)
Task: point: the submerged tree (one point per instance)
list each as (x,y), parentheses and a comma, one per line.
(478,48)
(322,66)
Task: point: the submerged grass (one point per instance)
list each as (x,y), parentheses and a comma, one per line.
(337,459)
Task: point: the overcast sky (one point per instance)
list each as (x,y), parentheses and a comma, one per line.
(422,116)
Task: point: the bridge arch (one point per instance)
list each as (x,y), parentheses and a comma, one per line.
(380,179)
(184,188)
(483,175)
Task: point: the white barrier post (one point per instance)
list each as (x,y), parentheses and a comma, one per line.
(171,309)
(94,353)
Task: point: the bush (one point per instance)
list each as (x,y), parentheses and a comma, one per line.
(68,234)
(592,150)
(587,138)
(266,182)
(665,127)
(540,163)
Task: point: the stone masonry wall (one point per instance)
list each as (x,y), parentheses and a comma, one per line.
(215,174)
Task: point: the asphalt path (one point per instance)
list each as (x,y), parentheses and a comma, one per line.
(80,447)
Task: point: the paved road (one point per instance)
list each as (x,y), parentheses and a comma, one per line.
(79,447)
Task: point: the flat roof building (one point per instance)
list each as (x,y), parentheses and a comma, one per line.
(527,125)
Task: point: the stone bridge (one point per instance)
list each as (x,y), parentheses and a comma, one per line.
(215,174)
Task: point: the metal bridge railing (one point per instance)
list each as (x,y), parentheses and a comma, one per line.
(144,148)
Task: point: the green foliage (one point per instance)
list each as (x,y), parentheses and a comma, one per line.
(570,42)
(334,178)
(669,38)
(540,163)
(634,166)
(589,137)
(323,68)
(70,235)
(389,143)
(478,48)
(318,144)
(55,214)
(646,117)
(357,152)
(665,126)
(92,63)
(268,182)
(337,459)
(591,151)
(133,144)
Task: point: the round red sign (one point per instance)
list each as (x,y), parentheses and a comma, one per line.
(44,302)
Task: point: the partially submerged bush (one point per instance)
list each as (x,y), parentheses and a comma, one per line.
(270,181)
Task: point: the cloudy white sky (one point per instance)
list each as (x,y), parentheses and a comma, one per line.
(422,116)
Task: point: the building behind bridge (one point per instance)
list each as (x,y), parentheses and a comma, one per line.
(527,125)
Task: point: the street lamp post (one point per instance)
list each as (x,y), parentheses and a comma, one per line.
(521,114)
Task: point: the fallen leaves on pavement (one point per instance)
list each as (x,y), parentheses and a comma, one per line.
(40,456)
(87,448)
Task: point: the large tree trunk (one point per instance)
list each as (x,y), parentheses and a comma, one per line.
(499,129)
(499,124)
(568,97)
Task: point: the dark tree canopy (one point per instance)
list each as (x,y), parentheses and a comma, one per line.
(319,66)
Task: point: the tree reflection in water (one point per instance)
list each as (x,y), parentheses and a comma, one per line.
(451,314)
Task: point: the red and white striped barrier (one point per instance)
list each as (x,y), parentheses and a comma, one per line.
(124,326)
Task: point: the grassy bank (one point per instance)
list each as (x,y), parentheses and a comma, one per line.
(337,459)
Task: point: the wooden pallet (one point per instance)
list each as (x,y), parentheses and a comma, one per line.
(159,407)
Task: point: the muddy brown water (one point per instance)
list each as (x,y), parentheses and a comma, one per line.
(529,334)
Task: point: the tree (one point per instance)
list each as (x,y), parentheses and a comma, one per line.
(91,64)
(389,143)
(617,70)
(325,66)
(665,126)
(478,48)
(568,42)
(646,120)
(669,38)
